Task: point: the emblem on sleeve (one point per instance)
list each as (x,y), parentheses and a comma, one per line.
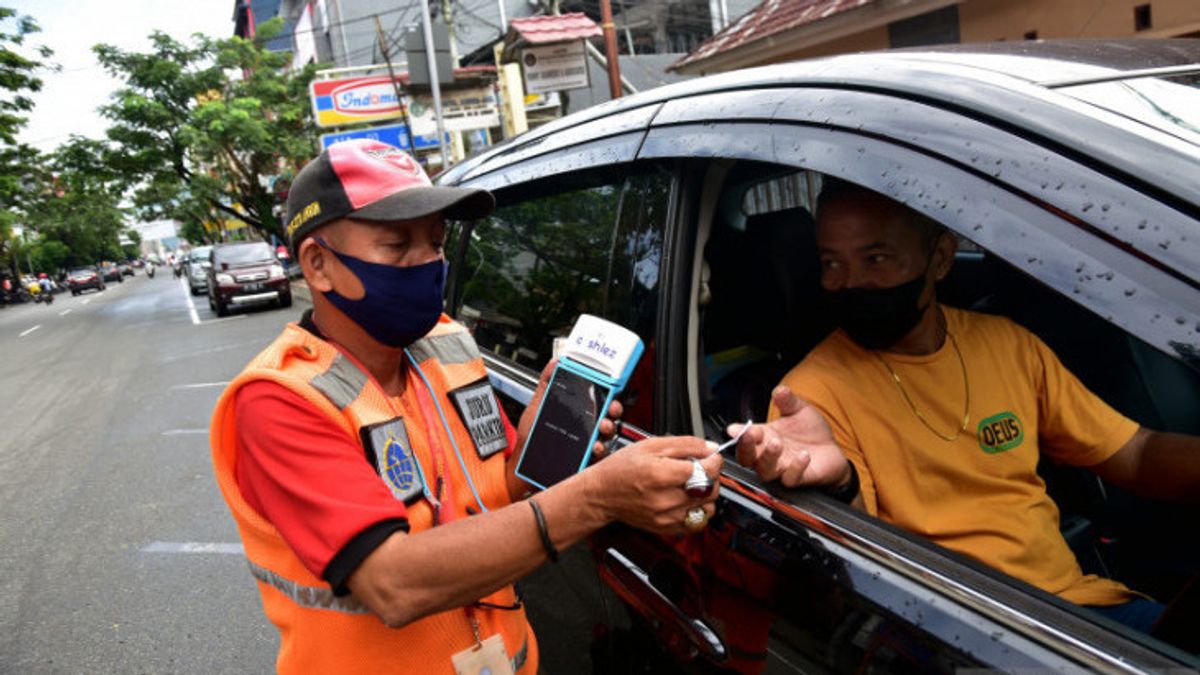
(395,461)
(480,413)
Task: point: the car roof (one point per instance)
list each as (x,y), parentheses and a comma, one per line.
(1032,85)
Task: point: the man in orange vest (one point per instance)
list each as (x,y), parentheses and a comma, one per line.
(369,466)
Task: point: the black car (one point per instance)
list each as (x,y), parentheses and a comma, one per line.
(111,272)
(246,273)
(1069,171)
(80,279)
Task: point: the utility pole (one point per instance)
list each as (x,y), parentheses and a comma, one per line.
(387,58)
(434,85)
(610,49)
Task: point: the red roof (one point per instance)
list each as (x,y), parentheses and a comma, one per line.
(769,18)
(539,30)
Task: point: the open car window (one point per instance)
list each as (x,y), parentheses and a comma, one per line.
(760,312)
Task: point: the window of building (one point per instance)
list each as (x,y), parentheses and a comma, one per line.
(1141,17)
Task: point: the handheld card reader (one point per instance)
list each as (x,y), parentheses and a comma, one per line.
(594,365)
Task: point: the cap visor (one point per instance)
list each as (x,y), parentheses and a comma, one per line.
(418,202)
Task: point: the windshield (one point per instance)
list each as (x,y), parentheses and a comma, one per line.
(245,254)
(200,254)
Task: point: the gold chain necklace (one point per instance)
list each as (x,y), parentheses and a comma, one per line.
(966,387)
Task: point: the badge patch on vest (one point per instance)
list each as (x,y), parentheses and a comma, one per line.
(480,413)
(387,443)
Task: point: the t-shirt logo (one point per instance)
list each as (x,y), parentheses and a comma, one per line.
(1000,432)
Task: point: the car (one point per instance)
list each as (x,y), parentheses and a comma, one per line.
(126,269)
(80,279)
(111,272)
(246,273)
(1068,172)
(196,269)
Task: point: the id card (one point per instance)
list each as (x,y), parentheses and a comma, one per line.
(485,658)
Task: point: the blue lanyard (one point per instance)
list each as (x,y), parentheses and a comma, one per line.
(450,434)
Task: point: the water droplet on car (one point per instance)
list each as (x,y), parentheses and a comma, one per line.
(1142,225)
(1087,207)
(1164,245)
(1105,207)
(1129,292)
(1180,320)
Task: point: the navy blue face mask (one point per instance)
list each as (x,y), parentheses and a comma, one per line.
(400,304)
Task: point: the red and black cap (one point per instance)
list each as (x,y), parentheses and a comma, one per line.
(368,180)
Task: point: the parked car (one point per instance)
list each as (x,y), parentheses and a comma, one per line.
(111,272)
(246,273)
(196,269)
(80,279)
(1069,173)
(126,269)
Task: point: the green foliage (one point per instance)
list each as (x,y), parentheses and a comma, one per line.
(18,79)
(199,144)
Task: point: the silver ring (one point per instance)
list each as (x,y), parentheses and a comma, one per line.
(696,519)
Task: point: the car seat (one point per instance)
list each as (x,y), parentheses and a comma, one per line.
(765,310)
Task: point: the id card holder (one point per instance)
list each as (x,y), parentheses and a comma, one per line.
(485,658)
(594,366)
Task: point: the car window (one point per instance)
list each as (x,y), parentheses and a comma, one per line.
(762,266)
(541,260)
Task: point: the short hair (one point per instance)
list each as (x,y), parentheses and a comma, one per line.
(927,228)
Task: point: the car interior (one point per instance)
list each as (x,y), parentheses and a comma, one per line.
(759,312)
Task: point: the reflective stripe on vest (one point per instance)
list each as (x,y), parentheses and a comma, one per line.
(311,597)
(342,383)
(450,349)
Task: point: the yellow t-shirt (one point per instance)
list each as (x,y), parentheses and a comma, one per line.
(980,494)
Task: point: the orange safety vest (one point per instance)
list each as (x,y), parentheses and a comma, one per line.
(324,633)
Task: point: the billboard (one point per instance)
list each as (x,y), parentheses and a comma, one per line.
(392,134)
(359,100)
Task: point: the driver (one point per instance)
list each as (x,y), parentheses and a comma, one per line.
(933,418)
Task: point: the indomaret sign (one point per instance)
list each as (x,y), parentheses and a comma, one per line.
(359,100)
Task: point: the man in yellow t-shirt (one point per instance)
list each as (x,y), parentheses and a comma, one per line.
(933,418)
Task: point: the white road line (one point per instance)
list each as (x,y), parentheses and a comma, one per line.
(64,312)
(228,318)
(200,385)
(86,300)
(187,295)
(27,332)
(193,547)
(184,432)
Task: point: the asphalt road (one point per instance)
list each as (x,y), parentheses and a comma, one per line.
(117,553)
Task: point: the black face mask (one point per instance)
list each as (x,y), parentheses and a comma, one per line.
(876,318)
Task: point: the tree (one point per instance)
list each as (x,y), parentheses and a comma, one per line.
(76,202)
(199,145)
(17,80)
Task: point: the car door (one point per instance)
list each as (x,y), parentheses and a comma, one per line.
(813,584)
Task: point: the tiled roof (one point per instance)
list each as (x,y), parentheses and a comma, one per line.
(539,30)
(769,18)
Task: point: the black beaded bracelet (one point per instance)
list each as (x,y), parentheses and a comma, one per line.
(849,491)
(551,551)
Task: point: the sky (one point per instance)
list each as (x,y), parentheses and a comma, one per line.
(68,100)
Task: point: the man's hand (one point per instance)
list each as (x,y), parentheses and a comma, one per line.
(797,449)
(643,484)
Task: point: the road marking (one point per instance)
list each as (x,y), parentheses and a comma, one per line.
(187,295)
(193,547)
(228,318)
(64,312)
(200,385)
(184,432)
(86,300)
(27,332)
